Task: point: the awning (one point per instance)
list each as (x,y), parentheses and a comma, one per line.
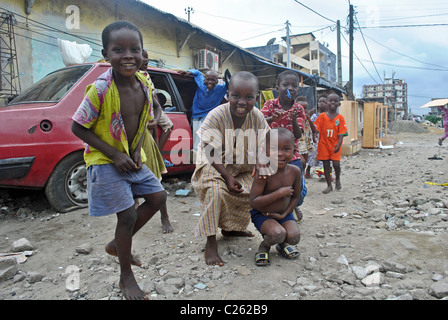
(435,103)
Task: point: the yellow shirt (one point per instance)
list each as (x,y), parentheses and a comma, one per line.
(100,111)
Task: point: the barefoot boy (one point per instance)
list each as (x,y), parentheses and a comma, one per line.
(332,127)
(111,121)
(221,184)
(273,199)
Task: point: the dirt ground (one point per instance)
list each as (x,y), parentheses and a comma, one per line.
(383,236)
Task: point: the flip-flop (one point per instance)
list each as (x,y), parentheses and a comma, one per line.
(289,252)
(262,259)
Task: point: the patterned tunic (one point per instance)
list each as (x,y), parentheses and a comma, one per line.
(273,105)
(219,207)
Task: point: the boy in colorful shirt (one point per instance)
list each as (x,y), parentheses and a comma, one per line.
(111,121)
(332,127)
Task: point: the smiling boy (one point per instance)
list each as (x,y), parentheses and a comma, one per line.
(274,198)
(223,188)
(111,121)
(208,96)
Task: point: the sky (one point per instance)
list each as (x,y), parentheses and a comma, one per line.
(404,38)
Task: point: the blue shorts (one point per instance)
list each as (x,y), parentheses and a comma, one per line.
(110,191)
(298,163)
(258,218)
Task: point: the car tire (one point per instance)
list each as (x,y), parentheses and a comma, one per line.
(66,189)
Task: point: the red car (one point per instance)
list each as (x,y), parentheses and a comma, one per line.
(38,149)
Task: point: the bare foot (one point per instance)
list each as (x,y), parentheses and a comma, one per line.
(211,255)
(111,249)
(328,190)
(246,233)
(338,184)
(166,226)
(130,289)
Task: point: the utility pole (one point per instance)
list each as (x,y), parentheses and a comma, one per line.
(352,96)
(288,46)
(338,30)
(351,22)
(188,11)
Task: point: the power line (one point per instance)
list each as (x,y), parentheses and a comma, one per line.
(413,17)
(244,21)
(50,27)
(402,66)
(359,60)
(315,11)
(408,26)
(260,35)
(405,55)
(367,47)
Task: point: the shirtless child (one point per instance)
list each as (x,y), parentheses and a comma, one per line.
(116,172)
(273,200)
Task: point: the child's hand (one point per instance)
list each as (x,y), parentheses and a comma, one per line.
(275,215)
(233,185)
(263,167)
(278,114)
(286,191)
(292,114)
(123,162)
(151,124)
(137,157)
(336,148)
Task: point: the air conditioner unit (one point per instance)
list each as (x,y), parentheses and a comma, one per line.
(208,60)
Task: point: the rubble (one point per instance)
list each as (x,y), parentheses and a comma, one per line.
(382,237)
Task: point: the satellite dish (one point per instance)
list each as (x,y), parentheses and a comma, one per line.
(271,42)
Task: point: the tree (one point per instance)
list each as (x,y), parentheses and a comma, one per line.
(433,119)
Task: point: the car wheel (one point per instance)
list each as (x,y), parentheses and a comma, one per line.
(66,189)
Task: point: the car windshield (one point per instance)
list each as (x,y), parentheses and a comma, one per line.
(53,86)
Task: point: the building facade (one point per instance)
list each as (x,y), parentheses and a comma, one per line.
(306,55)
(393,93)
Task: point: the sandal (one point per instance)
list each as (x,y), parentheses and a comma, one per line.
(289,252)
(262,259)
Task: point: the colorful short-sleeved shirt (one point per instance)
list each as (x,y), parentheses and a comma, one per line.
(100,111)
(271,106)
(329,132)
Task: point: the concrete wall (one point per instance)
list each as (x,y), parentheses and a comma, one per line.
(37,34)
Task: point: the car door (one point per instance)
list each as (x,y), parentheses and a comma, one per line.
(176,94)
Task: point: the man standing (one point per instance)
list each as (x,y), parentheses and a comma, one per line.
(208,96)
